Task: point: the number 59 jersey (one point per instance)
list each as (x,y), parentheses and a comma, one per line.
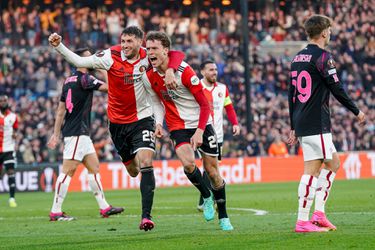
(313,77)
(77,93)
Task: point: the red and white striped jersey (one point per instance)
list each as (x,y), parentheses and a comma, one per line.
(8,123)
(181,109)
(127,97)
(218,97)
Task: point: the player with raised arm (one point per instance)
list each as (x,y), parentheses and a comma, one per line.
(130,115)
(313,77)
(75,104)
(8,135)
(186,112)
(218,98)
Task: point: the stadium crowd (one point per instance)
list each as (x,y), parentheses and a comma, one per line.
(32,74)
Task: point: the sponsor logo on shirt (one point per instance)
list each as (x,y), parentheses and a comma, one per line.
(128,78)
(168,95)
(194,80)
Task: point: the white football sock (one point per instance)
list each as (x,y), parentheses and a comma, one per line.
(325,181)
(61,189)
(97,189)
(306,193)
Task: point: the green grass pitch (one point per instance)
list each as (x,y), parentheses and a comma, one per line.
(351,208)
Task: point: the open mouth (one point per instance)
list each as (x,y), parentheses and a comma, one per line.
(152,59)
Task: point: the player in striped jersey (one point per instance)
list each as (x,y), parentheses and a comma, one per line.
(218,97)
(130,115)
(187,114)
(8,129)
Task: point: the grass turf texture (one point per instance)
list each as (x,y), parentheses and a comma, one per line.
(351,208)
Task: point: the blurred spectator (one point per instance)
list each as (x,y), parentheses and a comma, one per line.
(278,148)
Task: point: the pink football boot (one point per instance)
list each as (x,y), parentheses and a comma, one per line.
(308,227)
(320,219)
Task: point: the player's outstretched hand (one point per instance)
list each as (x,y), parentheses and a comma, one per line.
(197,139)
(236,130)
(159,131)
(292,140)
(53,141)
(54,39)
(361,118)
(170,79)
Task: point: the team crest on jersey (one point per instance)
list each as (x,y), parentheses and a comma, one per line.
(100,53)
(142,68)
(220,94)
(331,63)
(194,80)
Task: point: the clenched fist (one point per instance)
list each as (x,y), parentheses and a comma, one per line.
(54,39)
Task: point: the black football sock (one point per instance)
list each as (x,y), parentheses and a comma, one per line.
(206,181)
(219,195)
(12,185)
(147,190)
(197,180)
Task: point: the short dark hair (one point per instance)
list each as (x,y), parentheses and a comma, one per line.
(159,36)
(315,25)
(133,30)
(203,64)
(80,51)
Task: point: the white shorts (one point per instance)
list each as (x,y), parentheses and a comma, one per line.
(317,147)
(77,147)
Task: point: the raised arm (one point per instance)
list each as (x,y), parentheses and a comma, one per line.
(101,60)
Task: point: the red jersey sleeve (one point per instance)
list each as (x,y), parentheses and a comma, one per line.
(15,124)
(229,108)
(175,59)
(191,80)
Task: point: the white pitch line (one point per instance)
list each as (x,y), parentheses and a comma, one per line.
(256,211)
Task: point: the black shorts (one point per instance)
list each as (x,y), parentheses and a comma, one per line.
(130,138)
(8,160)
(209,145)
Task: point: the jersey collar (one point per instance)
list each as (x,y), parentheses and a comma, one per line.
(205,86)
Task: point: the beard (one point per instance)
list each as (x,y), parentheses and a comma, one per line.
(4,108)
(211,80)
(132,55)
